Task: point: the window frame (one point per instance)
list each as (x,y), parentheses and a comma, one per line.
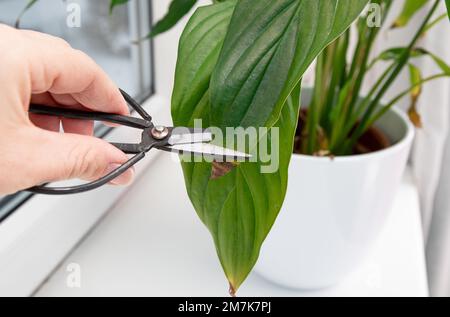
(10,203)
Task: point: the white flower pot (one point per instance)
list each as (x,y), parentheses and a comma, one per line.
(334,211)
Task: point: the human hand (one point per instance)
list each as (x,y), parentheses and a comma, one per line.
(39,68)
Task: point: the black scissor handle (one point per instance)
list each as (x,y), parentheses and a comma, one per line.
(144,123)
(132,122)
(89,186)
(88,115)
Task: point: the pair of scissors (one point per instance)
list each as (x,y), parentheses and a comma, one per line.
(178,140)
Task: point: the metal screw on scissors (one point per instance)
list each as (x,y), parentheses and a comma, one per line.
(179,140)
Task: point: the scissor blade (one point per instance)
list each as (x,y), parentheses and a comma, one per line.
(189,136)
(208,149)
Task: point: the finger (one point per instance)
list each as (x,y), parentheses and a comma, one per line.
(78,126)
(63,70)
(54,124)
(46,122)
(58,156)
(69,125)
(41,121)
(84,127)
(43,99)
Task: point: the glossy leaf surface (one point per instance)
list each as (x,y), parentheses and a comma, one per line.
(240,64)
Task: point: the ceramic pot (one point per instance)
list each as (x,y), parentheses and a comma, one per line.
(334,210)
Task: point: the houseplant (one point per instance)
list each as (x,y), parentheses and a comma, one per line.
(240,207)
(351,153)
(216,81)
(238,58)
(229,62)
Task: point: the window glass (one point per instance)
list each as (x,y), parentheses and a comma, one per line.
(111,40)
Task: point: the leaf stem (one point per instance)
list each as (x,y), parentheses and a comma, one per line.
(401,62)
(402,95)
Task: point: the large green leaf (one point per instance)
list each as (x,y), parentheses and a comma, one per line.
(269,46)
(198,51)
(258,52)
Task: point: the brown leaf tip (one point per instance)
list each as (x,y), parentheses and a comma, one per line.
(232,291)
(220,169)
(415,118)
(395,25)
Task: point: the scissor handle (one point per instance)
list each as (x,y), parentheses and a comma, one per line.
(89,186)
(144,123)
(88,115)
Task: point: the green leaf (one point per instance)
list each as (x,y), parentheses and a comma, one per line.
(27,7)
(410,8)
(439,62)
(198,52)
(115,3)
(447,2)
(177,10)
(240,207)
(268,47)
(248,57)
(415,77)
(435,22)
(396,52)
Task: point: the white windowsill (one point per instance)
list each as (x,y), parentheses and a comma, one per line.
(37,236)
(152,244)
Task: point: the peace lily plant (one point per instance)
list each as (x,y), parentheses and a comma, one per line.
(337,118)
(240,64)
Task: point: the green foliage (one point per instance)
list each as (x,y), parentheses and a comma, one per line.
(177,10)
(410,8)
(394,53)
(115,3)
(337,117)
(415,77)
(268,48)
(240,64)
(447,2)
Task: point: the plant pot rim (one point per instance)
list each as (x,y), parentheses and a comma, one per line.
(405,141)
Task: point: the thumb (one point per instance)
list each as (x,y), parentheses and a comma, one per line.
(61,156)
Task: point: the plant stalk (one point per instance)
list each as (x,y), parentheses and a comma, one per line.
(402,61)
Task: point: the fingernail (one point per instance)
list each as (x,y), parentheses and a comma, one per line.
(124,179)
